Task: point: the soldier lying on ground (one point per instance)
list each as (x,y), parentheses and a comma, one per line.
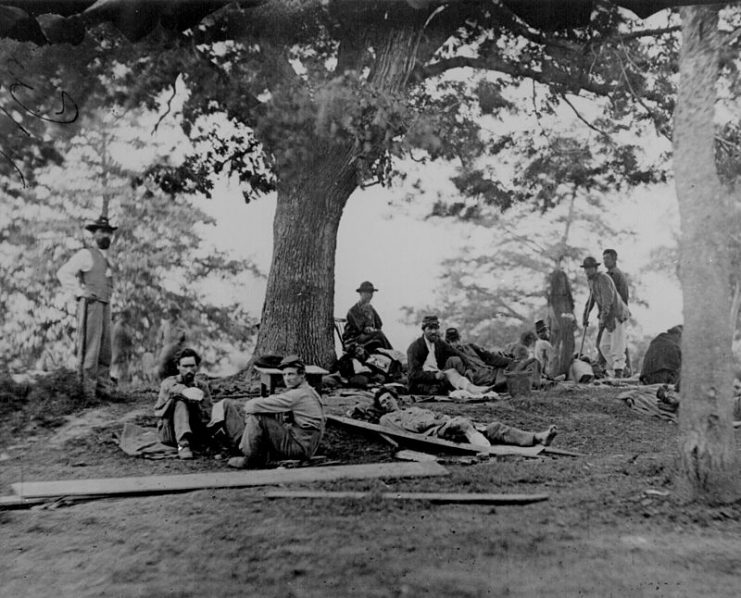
(386,411)
(483,367)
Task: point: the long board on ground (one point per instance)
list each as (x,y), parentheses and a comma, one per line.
(433,497)
(164,484)
(435,444)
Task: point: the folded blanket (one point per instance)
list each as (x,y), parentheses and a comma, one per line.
(143,442)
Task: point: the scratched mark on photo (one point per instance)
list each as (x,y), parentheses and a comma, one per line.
(12,100)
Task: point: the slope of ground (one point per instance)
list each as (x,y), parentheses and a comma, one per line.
(600,534)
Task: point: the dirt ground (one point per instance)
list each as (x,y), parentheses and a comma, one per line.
(599,534)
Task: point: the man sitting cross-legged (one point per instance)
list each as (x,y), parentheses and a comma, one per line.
(288,425)
(183,405)
(386,411)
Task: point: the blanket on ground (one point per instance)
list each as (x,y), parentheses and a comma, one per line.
(137,441)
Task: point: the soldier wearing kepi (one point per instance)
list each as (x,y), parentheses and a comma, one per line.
(89,278)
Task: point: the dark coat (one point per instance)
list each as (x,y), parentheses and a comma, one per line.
(664,354)
(357,322)
(416,356)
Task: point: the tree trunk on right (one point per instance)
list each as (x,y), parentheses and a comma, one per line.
(706,469)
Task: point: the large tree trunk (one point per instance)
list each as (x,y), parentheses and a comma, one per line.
(707,448)
(299,303)
(561,320)
(297,316)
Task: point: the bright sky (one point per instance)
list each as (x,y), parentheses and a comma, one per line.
(401,252)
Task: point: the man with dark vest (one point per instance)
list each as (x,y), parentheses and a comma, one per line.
(89,278)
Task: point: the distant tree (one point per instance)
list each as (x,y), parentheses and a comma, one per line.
(157,253)
(528,267)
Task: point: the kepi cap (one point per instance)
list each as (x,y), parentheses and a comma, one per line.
(430,322)
(291,361)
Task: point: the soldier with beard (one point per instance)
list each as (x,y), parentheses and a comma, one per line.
(89,278)
(183,406)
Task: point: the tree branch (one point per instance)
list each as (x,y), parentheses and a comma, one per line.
(568,80)
(581,118)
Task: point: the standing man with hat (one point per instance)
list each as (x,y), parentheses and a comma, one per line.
(89,278)
(610,257)
(363,322)
(612,315)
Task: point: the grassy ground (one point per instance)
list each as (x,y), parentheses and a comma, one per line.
(600,534)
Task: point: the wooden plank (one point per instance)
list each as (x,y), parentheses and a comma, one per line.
(16,502)
(433,497)
(431,444)
(549,450)
(310,369)
(407,455)
(390,440)
(230,479)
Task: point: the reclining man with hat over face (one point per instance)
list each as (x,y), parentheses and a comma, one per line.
(434,367)
(363,322)
(287,425)
(483,367)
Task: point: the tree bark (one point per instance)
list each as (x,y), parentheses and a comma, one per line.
(706,469)
(298,311)
(561,320)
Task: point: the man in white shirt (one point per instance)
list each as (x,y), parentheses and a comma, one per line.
(88,277)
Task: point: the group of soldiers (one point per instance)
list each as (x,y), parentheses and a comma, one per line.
(290,424)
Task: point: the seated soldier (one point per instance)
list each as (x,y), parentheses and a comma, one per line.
(663,360)
(483,367)
(386,411)
(434,367)
(363,322)
(288,425)
(183,405)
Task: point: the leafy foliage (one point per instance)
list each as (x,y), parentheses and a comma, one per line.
(158,256)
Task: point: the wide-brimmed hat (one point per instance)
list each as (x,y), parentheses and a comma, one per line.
(291,361)
(590,262)
(430,322)
(452,334)
(100,223)
(540,325)
(366,287)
